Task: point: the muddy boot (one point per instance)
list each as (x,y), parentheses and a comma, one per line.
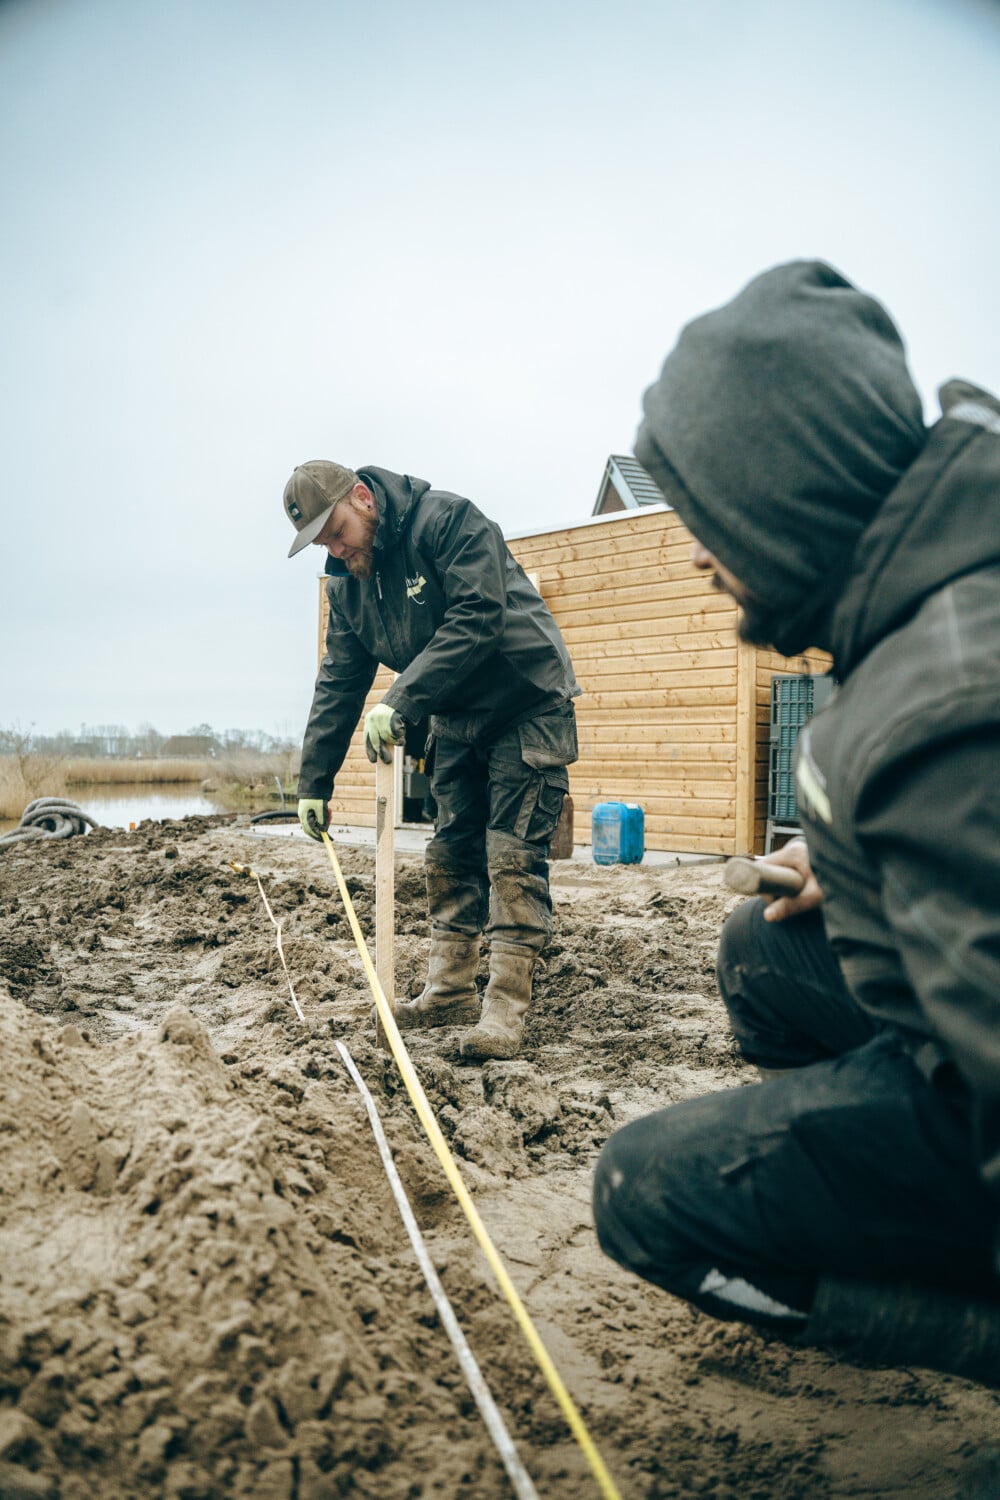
(901,1323)
(450,997)
(505,1005)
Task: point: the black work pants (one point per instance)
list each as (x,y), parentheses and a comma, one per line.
(851,1164)
(498,805)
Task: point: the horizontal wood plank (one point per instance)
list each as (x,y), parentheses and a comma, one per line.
(657,706)
(621,618)
(705,779)
(699,647)
(643,591)
(669,549)
(652,736)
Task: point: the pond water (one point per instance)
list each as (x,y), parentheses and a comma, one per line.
(118,806)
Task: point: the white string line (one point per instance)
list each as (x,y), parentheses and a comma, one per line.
(523,1487)
(277,930)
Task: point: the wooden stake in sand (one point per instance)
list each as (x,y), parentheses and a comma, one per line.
(385,883)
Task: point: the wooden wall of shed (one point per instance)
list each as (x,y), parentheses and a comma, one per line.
(655,653)
(671,715)
(675,712)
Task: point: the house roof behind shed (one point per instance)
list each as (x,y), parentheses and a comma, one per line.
(625,485)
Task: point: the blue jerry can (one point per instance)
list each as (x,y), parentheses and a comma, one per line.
(617,833)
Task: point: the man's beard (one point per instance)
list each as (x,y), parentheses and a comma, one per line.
(362,562)
(755,623)
(789,631)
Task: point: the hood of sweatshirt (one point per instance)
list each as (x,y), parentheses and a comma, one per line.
(941,522)
(395,497)
(778,425)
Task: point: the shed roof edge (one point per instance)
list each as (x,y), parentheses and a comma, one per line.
(614,515)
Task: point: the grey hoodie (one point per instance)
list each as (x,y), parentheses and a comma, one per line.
(778,425)
(786,431)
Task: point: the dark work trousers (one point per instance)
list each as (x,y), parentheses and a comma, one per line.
(498,805)
(851,1164)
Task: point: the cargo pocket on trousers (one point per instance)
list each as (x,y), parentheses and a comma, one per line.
(550,740)
(539,815)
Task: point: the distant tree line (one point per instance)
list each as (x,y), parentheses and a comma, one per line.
(116,742)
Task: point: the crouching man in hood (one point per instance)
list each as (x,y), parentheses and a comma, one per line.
(850,1199)
(420,580)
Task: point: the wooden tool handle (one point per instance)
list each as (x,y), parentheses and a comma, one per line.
(385,884)
(759,877)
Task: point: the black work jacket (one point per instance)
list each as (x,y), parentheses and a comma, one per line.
(449,609)
(898,777)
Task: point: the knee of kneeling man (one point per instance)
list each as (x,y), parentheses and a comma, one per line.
(738,940)
(615,1200)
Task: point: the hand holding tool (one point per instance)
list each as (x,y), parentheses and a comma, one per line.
(314,815)
(384,727)
(761,877)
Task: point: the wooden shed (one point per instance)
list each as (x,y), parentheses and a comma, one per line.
(675,711)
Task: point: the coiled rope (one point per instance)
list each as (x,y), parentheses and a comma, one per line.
(49,818)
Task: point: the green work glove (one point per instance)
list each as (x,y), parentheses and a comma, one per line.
(313,815)
(384,727)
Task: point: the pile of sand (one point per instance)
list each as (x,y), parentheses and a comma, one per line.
(205,1287)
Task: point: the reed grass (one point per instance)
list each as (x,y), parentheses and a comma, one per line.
(97,771)
(21,782)
(27,776)
(238,776)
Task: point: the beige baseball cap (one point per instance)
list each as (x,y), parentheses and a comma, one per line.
(310,496)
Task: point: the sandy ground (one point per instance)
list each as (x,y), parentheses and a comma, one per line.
(205,1286)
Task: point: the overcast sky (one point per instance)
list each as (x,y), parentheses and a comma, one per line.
(453,239)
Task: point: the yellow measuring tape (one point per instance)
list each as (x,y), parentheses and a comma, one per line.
(426,1115)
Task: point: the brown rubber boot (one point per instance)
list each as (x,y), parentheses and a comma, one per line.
(449,997)
(505,1004)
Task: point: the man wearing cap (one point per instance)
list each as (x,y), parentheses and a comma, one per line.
(851,1198)
(422,582)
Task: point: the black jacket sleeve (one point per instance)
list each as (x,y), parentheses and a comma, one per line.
(933,829)
(469,557)
(345,677)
